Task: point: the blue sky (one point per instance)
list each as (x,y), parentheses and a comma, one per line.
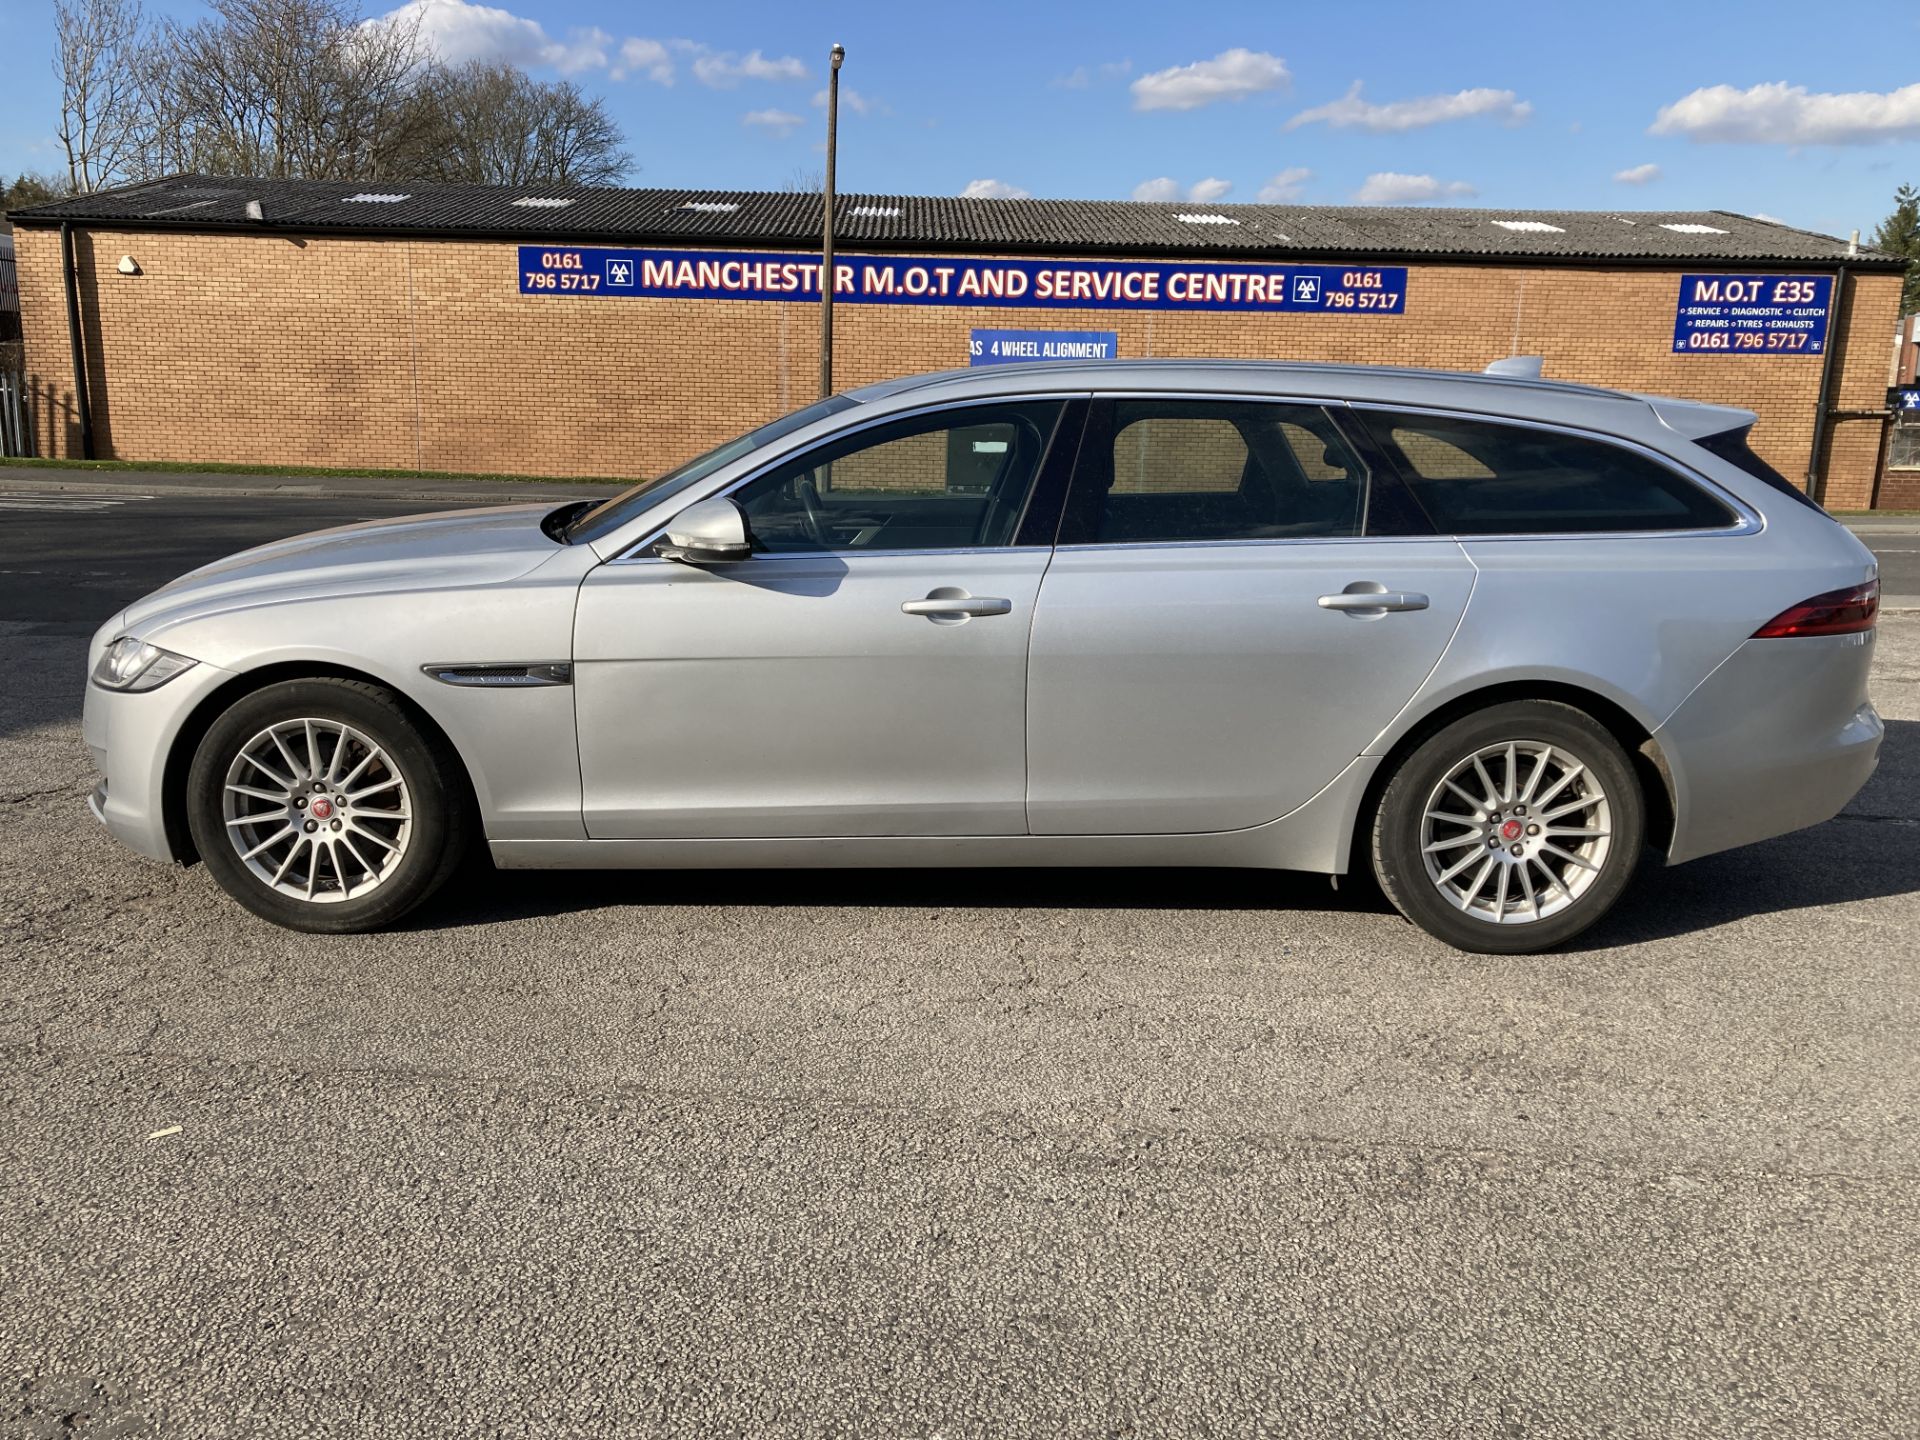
(1807,115)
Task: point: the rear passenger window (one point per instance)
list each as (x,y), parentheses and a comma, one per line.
(1485,477)
(1215,470)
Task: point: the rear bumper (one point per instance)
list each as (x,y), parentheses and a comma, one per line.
(1780,737)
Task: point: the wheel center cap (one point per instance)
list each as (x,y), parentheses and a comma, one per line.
(1512,830)
(321,809)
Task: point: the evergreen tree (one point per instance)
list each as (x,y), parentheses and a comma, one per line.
(1899,234)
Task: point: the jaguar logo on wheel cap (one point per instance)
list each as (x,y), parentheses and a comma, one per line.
(1509,831)
(322,808)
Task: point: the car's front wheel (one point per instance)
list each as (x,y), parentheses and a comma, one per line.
(320,805)
(1510,830)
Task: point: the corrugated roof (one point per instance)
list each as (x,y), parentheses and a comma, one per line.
(951,223)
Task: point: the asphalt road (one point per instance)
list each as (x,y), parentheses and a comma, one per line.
(924,1154)
(1899,557)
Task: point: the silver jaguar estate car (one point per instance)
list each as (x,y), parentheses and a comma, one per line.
(1491,639)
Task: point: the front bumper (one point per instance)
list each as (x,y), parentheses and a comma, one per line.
(131,734)
(1780,737)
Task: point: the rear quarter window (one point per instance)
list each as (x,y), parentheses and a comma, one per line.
(1489,477)
(1732,447)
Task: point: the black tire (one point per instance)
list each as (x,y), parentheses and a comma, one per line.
(1399,831)
(439,831)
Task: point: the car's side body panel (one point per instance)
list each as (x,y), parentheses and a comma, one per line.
(1202,687)
(1316,838)
(1779,737)
(791,695)
(516,744)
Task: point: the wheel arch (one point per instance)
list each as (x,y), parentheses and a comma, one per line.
(173,783)
(1649,761)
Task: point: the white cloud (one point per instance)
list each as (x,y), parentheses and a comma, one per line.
(1165,190)
(1285,186)
(581,50)
(1230,75)
(724,70)
(779,123)
(993,190)
(1080,77)
(456,32)
(1782,114)
(1638,174)
(1350,112)
(1388,188)
(851,99)
(644,57)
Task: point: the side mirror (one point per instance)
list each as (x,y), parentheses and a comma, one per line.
(713,532)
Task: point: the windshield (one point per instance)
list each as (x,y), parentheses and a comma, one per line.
(611,514)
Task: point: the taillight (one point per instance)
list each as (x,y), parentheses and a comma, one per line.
(1838,612)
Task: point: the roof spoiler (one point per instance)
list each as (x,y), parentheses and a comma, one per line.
(1695,419)
(1518,367)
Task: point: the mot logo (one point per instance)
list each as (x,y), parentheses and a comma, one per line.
(620,273)
(1306,289)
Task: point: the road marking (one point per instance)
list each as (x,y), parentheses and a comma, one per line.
(62,500)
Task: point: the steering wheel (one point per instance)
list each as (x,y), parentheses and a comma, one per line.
(812,520)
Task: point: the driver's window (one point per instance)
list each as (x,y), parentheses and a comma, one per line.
(958,479)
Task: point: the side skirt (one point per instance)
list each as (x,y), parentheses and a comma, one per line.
(1317,838)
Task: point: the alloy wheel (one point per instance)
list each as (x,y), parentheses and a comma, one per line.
(1516,832)
(317,810)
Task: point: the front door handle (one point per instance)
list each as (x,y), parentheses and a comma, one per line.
(1369,597)
(951,602)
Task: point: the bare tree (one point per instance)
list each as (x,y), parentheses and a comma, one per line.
(576,141)
(102,106)
(308,89)
(499,126)
(290,89)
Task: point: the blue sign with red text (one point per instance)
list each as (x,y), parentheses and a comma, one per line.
(599,272)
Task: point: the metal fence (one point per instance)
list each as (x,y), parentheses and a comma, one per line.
(16,424)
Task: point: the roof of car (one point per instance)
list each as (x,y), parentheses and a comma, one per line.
(1190,374)
(954,223)
(1385,384)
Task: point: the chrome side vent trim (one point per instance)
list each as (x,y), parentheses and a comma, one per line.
(502,677)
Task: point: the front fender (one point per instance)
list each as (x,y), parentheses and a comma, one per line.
(518,745)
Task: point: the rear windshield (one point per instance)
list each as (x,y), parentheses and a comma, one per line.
(1731,446)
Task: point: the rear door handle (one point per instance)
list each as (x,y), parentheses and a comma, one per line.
(951,601)
(1378,602)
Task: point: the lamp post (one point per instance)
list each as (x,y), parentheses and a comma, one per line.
(826,232)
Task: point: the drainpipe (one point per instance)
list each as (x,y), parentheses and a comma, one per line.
(80,405)
(1816,477)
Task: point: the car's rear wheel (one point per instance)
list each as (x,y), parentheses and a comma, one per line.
(318,804)
(1510,830)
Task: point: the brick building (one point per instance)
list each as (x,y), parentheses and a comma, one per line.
(615,332)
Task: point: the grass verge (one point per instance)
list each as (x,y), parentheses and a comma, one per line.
(318,472)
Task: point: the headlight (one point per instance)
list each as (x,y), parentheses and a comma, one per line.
(131,664)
